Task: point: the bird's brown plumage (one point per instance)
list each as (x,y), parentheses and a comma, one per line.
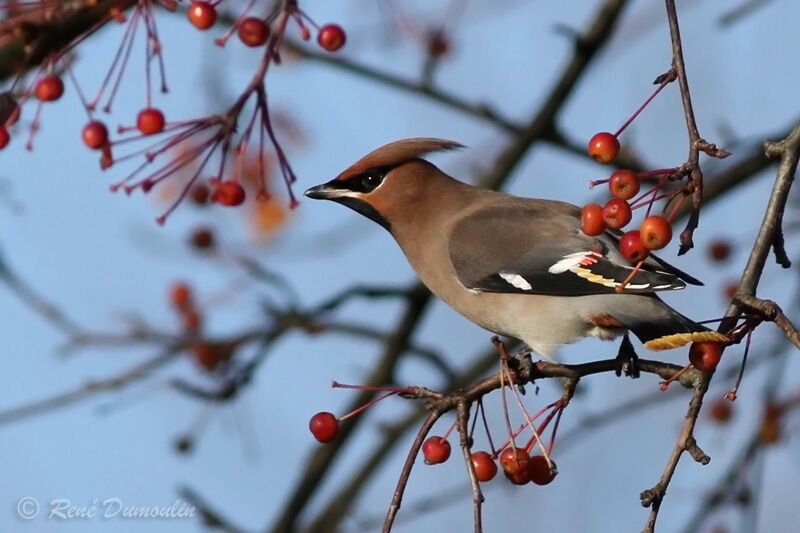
(516,266)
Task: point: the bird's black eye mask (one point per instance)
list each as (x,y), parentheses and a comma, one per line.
(366,182)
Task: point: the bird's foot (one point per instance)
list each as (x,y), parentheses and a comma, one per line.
(627,359)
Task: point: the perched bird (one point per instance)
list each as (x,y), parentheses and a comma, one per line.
(519,267)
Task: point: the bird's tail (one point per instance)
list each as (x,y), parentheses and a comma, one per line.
(674,331)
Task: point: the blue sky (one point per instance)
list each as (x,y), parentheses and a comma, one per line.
(100,257)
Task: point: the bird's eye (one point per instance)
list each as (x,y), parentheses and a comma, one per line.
(371,180)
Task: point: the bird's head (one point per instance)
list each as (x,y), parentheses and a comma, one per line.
(388,182)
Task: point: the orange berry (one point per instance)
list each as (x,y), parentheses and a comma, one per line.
(202,15)
(656,232)
(592,221)
(485,467)
(705,356)
(617,213)
(49,88)
(324,426)
(624,184)
(435,450)
(181,296)
(150,121)
(603,147)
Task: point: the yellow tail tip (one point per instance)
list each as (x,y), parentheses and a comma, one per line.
(681,339)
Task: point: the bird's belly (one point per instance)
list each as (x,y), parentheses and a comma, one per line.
(541,322)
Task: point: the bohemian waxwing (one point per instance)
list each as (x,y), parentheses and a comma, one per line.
(518,267)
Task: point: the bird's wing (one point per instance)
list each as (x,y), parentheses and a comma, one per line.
(536,247)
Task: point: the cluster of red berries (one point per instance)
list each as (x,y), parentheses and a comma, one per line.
(655,231)
(518,466)
(255,32)
(182,300)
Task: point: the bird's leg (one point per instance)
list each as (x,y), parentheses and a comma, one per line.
(627,360)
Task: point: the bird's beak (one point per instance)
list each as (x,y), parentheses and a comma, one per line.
(323,192)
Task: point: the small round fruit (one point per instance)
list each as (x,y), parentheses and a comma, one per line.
(229,193)
(5,137)
(331,37)
(514,460)
(617,213)
(180,295)
(603,147)
(484,465)
(540,472)
(207,356)
(721,411)
(150,121)
(253,32)
(324,426)
(770,432)
(200,194)
(49,88)
(592,221)
(632,247)
(95,135)
(522,477)
(705,356)
(656,232)
(436,450)
(719,250)
(202,239)
(202,15)
(623,184)
(192,320)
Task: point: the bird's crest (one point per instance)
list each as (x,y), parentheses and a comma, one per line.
(395,153)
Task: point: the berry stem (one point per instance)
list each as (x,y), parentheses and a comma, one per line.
(396,390)
(366,405)
(667,80)
(731,395)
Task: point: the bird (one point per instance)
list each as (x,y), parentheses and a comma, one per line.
(518,267)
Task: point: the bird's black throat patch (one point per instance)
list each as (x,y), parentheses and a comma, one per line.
(363,208)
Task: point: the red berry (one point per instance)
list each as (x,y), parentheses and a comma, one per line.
(324,426)
(95,135)
(514,460)
(522,477)
(202,15)
(705,356)
(191,319)
(207,356)
(331,37)
(181,296)
(656,232)
(632,247)
(436,450)
(199,194)
(253,32)
(719,250)
(228,193)
(150,121)
(592,221)
(484,465)
(603,147)
(202,238)
(49,88)
(623,184)
(721,411)
(5,137)
(539,471)
(617,213)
